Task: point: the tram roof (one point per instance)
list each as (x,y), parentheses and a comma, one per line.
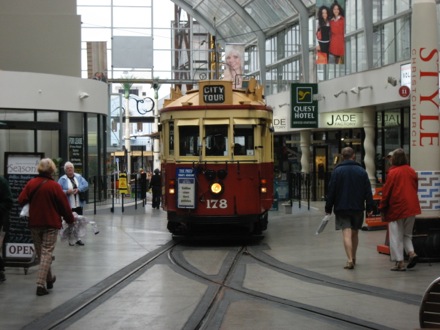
(251,95)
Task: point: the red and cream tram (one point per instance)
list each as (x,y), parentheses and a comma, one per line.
(217,157)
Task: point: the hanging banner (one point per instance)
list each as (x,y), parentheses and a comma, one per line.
(330,32)
(304,108)
(233,65)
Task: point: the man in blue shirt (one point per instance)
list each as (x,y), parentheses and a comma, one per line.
(349,194)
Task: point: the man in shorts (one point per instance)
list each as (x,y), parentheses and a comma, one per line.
(349,194)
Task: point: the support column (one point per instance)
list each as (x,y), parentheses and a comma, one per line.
(369,123)
(305,151)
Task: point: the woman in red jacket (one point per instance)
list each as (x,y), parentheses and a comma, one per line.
(399,206)
(47,204)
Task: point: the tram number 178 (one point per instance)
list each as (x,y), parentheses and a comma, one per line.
(216,204)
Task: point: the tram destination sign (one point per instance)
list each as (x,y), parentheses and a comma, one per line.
(219,92)
(214,94)
(304,112)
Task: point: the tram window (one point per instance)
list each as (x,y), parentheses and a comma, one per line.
(216,140)
(171,140)
(189,139)
(243,140)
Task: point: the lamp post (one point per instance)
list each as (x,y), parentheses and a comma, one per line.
(156,158)
(127,132)
(127,86)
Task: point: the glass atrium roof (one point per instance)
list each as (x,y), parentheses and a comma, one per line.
(240,21)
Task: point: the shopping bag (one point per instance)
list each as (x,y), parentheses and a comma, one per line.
(24,213)
(321,58)
(323,223)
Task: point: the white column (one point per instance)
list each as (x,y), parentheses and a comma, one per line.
(305,151)
(369,124)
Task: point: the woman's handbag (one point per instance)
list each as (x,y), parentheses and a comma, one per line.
(82,196)
(321,58)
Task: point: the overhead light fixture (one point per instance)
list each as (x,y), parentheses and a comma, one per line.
(392,81)
(340,92)
(357,89)
(83,95)
(318,97)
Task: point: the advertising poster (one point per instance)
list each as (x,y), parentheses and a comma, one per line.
(233,65)
(330,32)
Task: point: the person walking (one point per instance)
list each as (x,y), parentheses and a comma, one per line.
(74,186)
(156,187)
(47,204)
(6,202)
(398,206)
(349,194)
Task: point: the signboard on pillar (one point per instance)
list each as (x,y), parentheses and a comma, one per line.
(304,112)
(424,111)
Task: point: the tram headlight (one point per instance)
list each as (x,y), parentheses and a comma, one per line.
(216,188)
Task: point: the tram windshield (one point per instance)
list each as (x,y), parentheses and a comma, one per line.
(189,138)
(243,140)
(216,140)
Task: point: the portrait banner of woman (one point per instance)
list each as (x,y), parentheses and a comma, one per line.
(233,64)
(330,32)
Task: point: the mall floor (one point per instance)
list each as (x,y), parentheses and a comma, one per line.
(124,237)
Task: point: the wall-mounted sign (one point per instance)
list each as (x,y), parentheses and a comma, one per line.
(404,91)
(304,112)
(76,151)
(341,120)
(391,118)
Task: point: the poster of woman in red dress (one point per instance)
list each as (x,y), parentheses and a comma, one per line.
(330,32)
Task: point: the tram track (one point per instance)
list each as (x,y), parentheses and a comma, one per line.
(224,285)
(67,313)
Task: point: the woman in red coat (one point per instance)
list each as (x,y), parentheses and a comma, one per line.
(399,206)
(337,33)
(47,204)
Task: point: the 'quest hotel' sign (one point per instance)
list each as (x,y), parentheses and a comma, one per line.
(304,107)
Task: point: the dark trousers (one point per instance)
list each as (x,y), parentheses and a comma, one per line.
(156,196)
